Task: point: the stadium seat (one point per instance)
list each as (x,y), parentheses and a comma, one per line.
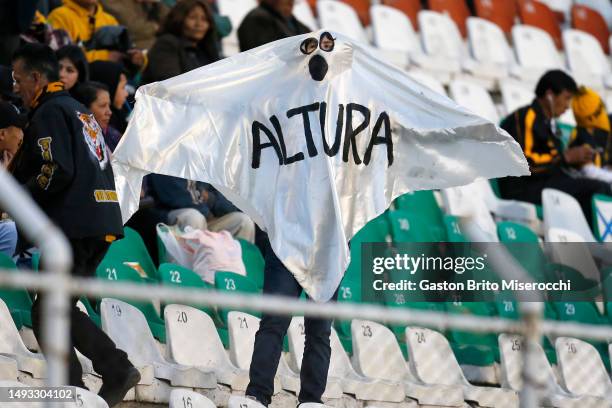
(476,220)
(120,272)
(393,35)
(236,401)
(409,227)
(297,338)
(590,21)
(303,12)
(475,98)
(561,8)
(602,210)
(8,368)
(582,371)
(236,10)
(362,8)
(181,398)
(373,343)
(428,81)
(410,8)
(424,204)
(561,210)
(340,17)
(457,10)
(193,341)
(253,262)
(515,95)
(86,398)
(518,211)
(12,346)
(433,362)
(441,40)
(232,282)
(536,52)
(537,14)
(601,6)
(489,46)
(127,327)
(171,274)
(511,349)
(131,248)
(500,12)
(17,300)
(242,328)
(587,61)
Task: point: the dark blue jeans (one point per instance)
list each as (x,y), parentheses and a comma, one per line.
(269,340)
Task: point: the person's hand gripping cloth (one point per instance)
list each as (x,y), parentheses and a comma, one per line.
(312,136)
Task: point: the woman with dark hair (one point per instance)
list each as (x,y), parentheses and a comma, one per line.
(186,40)
(74,68)
(113,76)
(96,98)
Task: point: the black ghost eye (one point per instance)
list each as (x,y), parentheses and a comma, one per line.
(309,45)
(327,42)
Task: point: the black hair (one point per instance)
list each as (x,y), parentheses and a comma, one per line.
(38,57)
(87,92)
(556,81)
(76,55)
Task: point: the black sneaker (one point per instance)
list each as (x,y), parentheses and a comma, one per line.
(114,391)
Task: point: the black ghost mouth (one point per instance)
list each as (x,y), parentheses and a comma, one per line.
(318,67)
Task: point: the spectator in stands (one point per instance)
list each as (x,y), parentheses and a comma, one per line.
(551,167)
(74,68)
(187,40)
(270,21)
(15,19)
(83,203)
(95,96)
(113,76)
(593,130)
(141,17)
(11,136)
(6,86)
(200,206)
(82,19)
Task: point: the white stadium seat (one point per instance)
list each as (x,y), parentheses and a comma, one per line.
(441,42)
(242,328)
(297,337)
(433,362)
(511,348)
(235,10)
(488,46)
(581,369)
(394,35)
(182,398)
(303,12)
(476,219)
(192,340)
(586,60)
(603,211)
(340,17)
(475,98)
(86,398)
(374,344)
(12,346)
(536,52)
(561,210)
(571,250)
(515,95)
(243,402)
(128,328)
(8,368)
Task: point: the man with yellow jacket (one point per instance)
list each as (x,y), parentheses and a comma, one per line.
(81,19)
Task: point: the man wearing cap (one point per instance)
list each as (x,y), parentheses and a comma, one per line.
(65,166)
(593,130)
(11,136)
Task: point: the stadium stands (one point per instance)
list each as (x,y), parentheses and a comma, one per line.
(587,61)
(537,14)
(590,21)
(181,398)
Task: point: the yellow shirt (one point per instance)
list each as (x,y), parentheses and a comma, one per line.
(80,24)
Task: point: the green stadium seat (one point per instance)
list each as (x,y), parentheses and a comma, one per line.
(408,226)
(18,301)
(424,205)
(232,282)
(253,261)
(91,311)
(453,229)
(176,275)
(131,248)
(121,272)
(477,349)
